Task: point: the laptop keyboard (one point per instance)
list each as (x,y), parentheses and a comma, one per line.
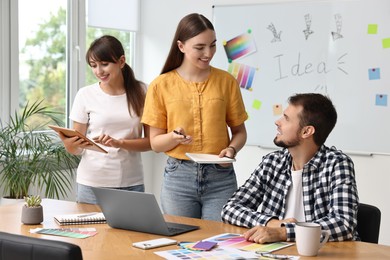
(174,230)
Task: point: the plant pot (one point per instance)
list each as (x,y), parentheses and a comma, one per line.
(32,216)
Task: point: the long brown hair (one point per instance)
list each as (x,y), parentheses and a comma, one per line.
(109,49)
(188,27)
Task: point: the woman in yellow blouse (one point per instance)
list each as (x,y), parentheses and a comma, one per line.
(190,107)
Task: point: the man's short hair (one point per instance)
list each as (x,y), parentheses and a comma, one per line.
(318,111)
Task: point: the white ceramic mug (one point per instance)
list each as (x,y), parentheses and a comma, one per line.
(308,238)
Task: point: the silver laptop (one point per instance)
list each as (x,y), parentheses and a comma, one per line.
(137,211)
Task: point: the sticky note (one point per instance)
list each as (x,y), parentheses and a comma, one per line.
(381,100)
(374,73)
(372,29)
(256,104)
(277,109)
(386,43)
(204,245)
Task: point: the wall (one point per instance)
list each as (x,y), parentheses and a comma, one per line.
(157,30)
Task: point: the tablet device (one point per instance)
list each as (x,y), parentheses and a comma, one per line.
(72,132)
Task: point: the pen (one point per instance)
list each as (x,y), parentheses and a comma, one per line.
(274,256)
(178,133)
(86,215)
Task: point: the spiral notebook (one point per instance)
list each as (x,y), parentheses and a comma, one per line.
(80,219)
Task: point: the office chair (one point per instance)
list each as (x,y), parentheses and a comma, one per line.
(368,223)
(18,247)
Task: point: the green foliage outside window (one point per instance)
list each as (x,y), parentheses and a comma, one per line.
(45,55)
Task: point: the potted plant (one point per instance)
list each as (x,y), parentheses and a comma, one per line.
(31,156)
(32,211)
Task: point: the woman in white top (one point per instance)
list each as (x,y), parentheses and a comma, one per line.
(109,112)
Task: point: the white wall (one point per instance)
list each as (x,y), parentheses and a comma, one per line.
(158,24)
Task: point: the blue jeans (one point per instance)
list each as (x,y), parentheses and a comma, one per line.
(86,195)
(196,190)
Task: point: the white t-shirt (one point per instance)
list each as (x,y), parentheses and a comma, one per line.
(109,115)
(294,205)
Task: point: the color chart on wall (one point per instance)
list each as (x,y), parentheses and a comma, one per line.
(243,73)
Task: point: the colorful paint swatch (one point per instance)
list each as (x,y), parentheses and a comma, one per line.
(277,109)
(256,104)
(386,43)
(381,100)
(239,46)
(66,232)
(374,73)
(243,73)
(217,253)
(372,29)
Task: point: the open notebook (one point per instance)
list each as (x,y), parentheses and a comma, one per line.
(80,219)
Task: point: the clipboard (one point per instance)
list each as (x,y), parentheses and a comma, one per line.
(72,132)
(209,158)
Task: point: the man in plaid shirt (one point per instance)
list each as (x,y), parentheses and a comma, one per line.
(305,181)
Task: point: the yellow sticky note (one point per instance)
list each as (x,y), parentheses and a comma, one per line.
(256,104)
(277,109)
(372,29)
(386,43)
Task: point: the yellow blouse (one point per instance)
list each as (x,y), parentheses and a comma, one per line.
(202,109)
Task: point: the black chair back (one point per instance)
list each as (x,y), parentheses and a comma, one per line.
(368,223)
(18,247)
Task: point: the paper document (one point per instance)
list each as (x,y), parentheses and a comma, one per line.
(209,158)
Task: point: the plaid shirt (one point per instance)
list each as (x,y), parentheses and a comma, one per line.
(330,195)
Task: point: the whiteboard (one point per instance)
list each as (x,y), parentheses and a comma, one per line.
(337,48)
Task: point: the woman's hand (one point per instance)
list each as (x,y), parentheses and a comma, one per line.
(107,140)
(75,144)
(180,137)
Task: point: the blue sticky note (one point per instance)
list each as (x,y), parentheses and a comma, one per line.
(374,73)
(381,100)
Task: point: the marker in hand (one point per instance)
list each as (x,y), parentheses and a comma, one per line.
(178,133)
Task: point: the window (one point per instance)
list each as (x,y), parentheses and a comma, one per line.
(42,53)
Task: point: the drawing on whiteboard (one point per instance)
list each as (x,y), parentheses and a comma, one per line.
(339,61)
(272,28)
(301,68)
(321,89)
(308,31)
(240,46)
(337,35)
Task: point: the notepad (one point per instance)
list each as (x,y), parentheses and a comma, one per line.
(80,219)
(209,158)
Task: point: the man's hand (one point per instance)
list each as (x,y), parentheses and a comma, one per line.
(278,223)
(261,234)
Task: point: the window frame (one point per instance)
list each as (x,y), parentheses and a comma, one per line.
(9,55)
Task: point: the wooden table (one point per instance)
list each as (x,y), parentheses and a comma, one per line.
(116,244)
